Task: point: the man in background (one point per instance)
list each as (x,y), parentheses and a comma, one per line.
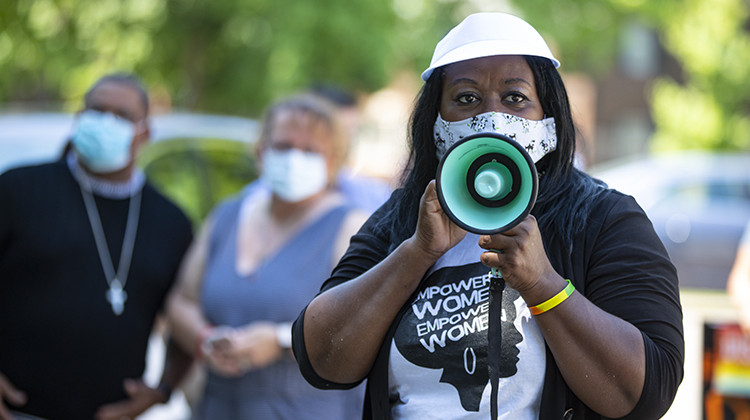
(88,251)
(364,192)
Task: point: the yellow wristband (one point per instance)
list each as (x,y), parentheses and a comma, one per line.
(554,300)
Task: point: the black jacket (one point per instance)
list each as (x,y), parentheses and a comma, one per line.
(617,262)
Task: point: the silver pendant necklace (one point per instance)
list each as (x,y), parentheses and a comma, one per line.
(116,295)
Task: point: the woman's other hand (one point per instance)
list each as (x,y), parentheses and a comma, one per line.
(256,345)
(521,257)
(218,349)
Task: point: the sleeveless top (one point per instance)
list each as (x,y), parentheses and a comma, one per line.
(276,291)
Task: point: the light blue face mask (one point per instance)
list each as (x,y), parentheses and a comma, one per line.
(102,141)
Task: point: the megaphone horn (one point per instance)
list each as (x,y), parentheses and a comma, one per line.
(487,183)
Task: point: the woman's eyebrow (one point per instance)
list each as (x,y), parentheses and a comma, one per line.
(462,80)
(516,80)
(511,81)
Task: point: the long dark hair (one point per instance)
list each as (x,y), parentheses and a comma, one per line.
(564,199)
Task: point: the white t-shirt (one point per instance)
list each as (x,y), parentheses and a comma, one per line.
(438,360)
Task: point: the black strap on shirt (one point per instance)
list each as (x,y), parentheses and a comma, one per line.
(495,338)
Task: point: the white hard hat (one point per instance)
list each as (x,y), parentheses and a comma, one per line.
(488,34)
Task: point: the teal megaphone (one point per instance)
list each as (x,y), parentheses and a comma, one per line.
(487,183)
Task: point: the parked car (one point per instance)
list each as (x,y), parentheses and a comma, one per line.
(699,204)
(198,160)
(195,159)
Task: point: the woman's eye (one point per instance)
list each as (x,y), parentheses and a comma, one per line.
(515,98)
(466,99)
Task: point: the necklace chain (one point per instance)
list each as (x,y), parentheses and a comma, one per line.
(115,280)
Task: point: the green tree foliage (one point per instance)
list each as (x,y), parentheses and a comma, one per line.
(53,49)
(710,110)
(220,56)
(236,56)
(708,107)
(229,56)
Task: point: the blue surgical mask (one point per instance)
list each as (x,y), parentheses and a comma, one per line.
(102,141)
(294,175)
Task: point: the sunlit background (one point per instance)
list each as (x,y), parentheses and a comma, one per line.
(644,76)
(660,93)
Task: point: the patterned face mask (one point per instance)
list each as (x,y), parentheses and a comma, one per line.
(537,137)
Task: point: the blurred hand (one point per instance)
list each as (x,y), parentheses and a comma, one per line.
(256,345)
(218,348)
(522,259)
(11,394)
(140,399)
(435,233)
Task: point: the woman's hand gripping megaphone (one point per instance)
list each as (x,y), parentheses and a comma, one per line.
(519,255)
(435,233)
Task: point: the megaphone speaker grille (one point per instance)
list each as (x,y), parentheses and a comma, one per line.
(500,169)
(487,183)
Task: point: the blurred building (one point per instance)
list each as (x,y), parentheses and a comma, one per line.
(623,123)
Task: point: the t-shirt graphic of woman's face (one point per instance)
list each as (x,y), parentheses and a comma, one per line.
(446,328)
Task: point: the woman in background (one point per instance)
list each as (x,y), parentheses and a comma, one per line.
(259,259)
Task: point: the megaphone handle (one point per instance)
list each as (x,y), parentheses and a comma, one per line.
(495,338)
